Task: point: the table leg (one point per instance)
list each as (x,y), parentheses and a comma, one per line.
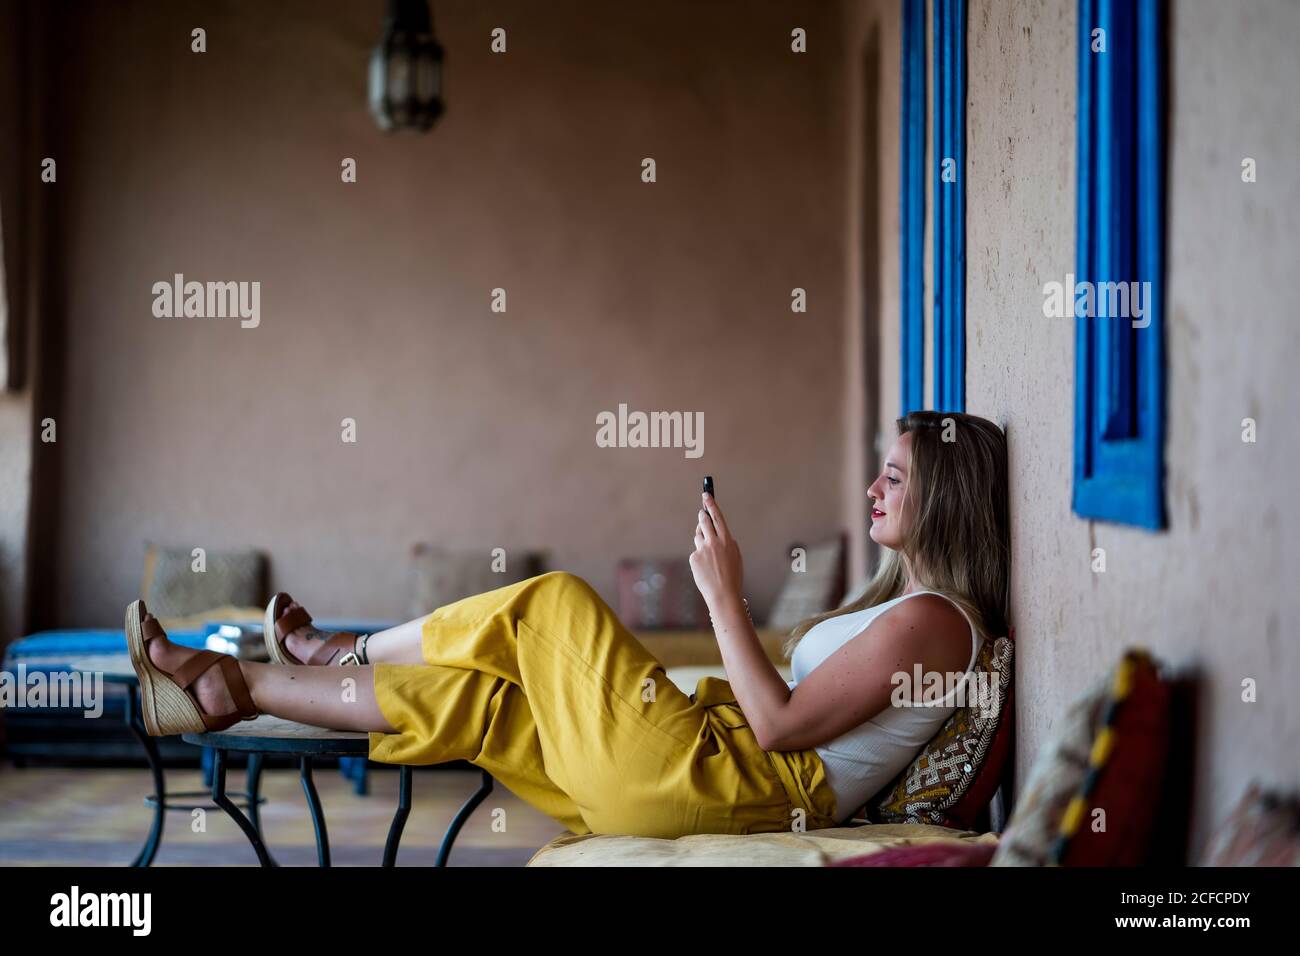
(224,802)
(254,788)
(134,722)
(317,816)
(399,818)
(461,816)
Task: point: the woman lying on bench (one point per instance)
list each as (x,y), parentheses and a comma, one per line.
(542,686)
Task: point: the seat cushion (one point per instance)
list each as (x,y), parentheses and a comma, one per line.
(811,848)
(946,853)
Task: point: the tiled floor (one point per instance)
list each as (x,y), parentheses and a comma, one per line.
(97,817)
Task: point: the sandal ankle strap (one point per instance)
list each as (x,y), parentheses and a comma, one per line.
(344,641)
(245,709)
(357,656)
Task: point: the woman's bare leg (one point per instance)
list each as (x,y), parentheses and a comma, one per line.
(403,644)
(340,698)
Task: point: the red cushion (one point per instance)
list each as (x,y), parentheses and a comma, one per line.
(659,593)
(966,812)
(1127,786)
(926,854)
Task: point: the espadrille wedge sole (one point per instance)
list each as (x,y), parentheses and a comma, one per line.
(168,706)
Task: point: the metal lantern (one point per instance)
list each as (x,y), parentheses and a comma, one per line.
(406,69)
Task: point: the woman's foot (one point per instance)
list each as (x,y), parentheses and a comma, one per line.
(184,689)
(305,642)
(292,639)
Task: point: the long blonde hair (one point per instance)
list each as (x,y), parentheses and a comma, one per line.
(960,540)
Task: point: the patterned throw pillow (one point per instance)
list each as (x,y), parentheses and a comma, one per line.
(812,590)
(441,576)
(1263,830)
(658,594)
(177,583)
(1092,796)
(963,760)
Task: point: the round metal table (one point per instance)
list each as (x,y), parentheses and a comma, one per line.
(274,735)
(117,669)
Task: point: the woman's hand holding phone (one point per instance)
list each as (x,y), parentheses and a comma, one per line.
(716,563)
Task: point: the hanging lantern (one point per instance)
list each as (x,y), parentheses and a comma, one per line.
(406,69)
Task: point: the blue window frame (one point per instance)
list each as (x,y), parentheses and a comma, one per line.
(949,266)
(1119,356)
(912,207)
(950,205)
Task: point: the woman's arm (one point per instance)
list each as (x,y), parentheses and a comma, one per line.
(852,685)
(760,689)
(719,574)
(859,680)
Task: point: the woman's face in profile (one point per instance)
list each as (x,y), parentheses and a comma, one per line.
(889,518)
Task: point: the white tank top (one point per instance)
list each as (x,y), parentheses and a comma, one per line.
(861,762)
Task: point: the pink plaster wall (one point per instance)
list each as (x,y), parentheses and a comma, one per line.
(475,429)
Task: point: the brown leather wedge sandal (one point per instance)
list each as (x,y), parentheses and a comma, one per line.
(170,705)
(341,647)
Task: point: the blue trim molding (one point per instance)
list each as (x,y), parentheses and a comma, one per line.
(1119,404)
(950,205)
(912,208)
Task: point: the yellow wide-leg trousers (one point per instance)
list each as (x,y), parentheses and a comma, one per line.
(542,686)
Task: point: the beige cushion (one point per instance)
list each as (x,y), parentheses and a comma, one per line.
(811,591)
(172,586)
(441,576)
(687,677)
(812,848)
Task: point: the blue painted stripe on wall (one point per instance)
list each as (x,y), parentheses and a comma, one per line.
(1083,229)
(950,205)
(912,209)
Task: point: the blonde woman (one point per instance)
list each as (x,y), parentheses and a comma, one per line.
(542,686)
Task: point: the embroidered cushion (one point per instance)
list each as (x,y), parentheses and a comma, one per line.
(955,775)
